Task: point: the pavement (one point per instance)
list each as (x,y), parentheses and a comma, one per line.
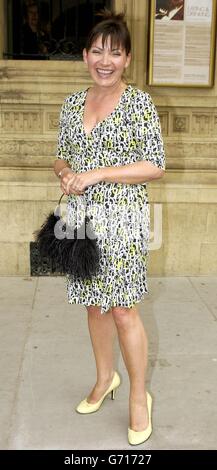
(47,366)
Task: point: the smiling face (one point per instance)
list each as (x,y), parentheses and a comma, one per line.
(106,65)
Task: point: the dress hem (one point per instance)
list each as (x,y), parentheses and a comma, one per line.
(80,302)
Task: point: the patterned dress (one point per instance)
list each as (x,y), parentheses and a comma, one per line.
(119,213)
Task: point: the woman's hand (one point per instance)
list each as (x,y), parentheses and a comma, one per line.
(80,181)
(65,178)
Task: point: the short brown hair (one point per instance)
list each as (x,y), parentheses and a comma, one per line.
(113,25)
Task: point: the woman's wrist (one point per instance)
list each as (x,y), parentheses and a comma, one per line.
(64,171)
(100,172)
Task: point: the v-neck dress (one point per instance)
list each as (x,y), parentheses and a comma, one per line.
(120,213)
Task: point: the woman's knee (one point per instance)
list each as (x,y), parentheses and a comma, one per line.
(93,310)
(123,317)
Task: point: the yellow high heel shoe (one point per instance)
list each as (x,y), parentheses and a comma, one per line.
(84,407)
(138,437)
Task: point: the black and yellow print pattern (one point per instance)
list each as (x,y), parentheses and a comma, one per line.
(119,213)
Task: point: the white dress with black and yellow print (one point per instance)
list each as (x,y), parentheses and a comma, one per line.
(119,213)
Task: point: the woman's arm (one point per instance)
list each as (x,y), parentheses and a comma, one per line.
(62,163)
(66,175)
(59,165)
(133,173)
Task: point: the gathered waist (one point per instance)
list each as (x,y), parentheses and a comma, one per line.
(109,193)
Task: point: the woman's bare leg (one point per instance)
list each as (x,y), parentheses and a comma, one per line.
(134,345)
(102,333)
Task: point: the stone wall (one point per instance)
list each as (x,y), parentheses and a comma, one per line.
(31,94)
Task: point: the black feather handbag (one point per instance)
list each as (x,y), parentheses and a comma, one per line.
(73,250)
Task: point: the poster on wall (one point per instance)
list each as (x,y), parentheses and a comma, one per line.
(182,43)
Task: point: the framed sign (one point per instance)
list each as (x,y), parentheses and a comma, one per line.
(182,43)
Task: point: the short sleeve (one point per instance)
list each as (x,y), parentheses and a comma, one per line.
(151,144)
(63,147)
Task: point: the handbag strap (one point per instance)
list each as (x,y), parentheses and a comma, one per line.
(60,199)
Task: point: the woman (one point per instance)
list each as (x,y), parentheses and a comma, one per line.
(110,143)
